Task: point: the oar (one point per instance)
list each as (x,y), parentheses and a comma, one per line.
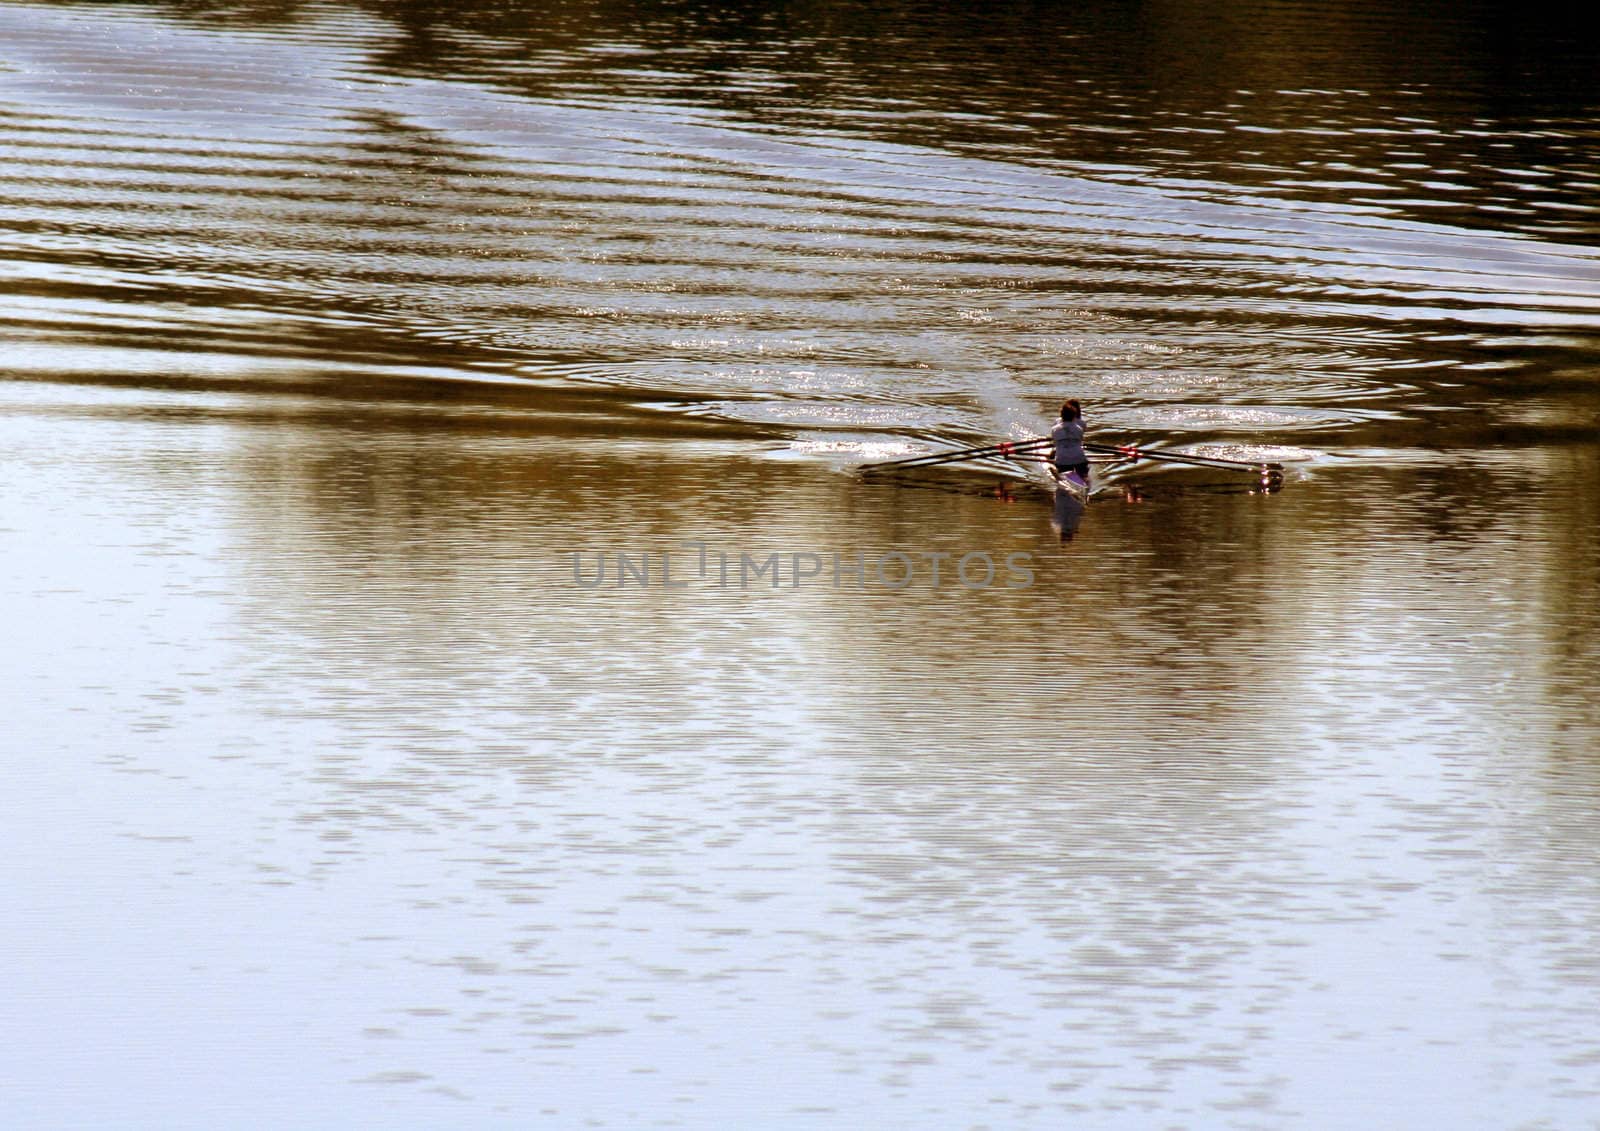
(1133,453)
(1004,448)
(1035,445)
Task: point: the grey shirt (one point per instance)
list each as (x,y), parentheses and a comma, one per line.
(1068,437)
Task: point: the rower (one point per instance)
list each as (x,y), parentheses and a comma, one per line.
(1067,452)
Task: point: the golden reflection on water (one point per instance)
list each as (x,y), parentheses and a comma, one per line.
(334,791)
(1221,743)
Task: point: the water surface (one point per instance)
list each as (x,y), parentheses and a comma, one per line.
(342,344)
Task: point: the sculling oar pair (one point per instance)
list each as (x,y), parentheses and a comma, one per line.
(1034,446)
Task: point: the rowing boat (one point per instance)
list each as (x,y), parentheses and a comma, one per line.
(1070,482)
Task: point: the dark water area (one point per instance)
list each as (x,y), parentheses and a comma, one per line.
(459,676)
(1478,114)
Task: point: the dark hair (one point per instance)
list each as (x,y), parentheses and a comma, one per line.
(1070,410)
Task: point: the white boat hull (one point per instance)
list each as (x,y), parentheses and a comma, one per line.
(1069,481)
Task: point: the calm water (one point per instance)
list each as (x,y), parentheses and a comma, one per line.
(344,346)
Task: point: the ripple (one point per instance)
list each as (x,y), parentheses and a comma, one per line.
(778,276)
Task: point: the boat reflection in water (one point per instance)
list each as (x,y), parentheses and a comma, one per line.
(1071,502)
(1068,512)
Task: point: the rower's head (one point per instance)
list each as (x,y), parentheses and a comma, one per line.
(1070,410)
